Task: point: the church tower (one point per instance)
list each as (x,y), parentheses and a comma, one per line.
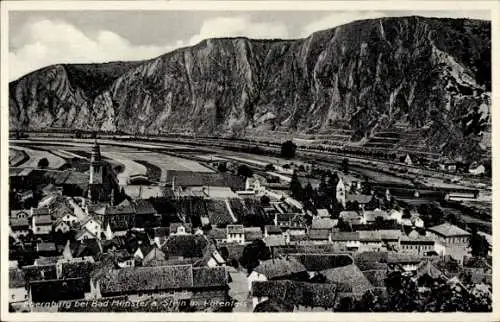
(96,173)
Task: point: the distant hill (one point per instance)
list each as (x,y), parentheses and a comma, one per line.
(390,74)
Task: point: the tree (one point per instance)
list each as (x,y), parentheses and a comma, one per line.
(265,200)
(222,167)
(254,252)
(43,163)
(295,186)
(288,149)
(345,165)
(478,243)
(269,167)
(245,171)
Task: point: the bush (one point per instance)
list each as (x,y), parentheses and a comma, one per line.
(269,167)
(245,171)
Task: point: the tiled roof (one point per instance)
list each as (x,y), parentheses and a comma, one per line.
(428,268)
(40,211)
(45,247)
(275,268)
(252,233)
(319,234)
(217,233)
(350,275)
(18,223)
(144,207)
(390,234)
(376,276)
(235,229)
(369,236)
(153,257)
(274,240)
(323,213)
(238,208)
(319,262)
(361,199)
(56,289)
(345,236)
(403,258)
(371,215)
(351,216)
(173,227)
(449,230)
(206,277)
(16,278)
(161,231)
(297,293)
(77,268)
(39,272)
(322,223)
(370,260)
(136,279)
(185,246)
(190,179)
(119,210)
(218,213)
(271,229)
(43,220)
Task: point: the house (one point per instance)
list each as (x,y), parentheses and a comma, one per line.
(396,214)
(346,240)
(292,223)
(272,230)
(276,268)
(301,295)
(155,257)
(360,199)
(404,261)
(61,226)
(20,226)
(252,233)
(46,249)
(17,286)
(181,282)
(370,240)
(92,229)
(349,279)
(180,228)
(320,236)
(120,218)
(185,246)
(143,250)
(220,234)
(352,217)
(58,290)
(370,216)
(211,257)
(415,243)
(323,213)
(450,240)
(41,224)
(145,214)
(160,235)
(390,236)
(235,234)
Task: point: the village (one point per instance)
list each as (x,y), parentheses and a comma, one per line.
(287,237)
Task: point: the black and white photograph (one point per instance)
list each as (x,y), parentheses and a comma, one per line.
(216,160)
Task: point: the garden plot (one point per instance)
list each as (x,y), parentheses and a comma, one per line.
(55,162)
(167,162)
(17,157)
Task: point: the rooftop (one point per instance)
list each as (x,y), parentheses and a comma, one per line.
(235,229)
(275,268)
(350,276)
(448,230)
(319,234)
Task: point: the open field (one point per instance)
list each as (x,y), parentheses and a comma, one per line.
(130,168)
(35,156)
(17,157)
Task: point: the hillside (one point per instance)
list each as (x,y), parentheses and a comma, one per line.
(411,74)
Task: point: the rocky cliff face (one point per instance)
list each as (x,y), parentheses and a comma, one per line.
(365,76)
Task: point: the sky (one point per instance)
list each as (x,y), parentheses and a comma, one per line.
(41,38)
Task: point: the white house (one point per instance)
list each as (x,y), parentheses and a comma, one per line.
(235,234)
